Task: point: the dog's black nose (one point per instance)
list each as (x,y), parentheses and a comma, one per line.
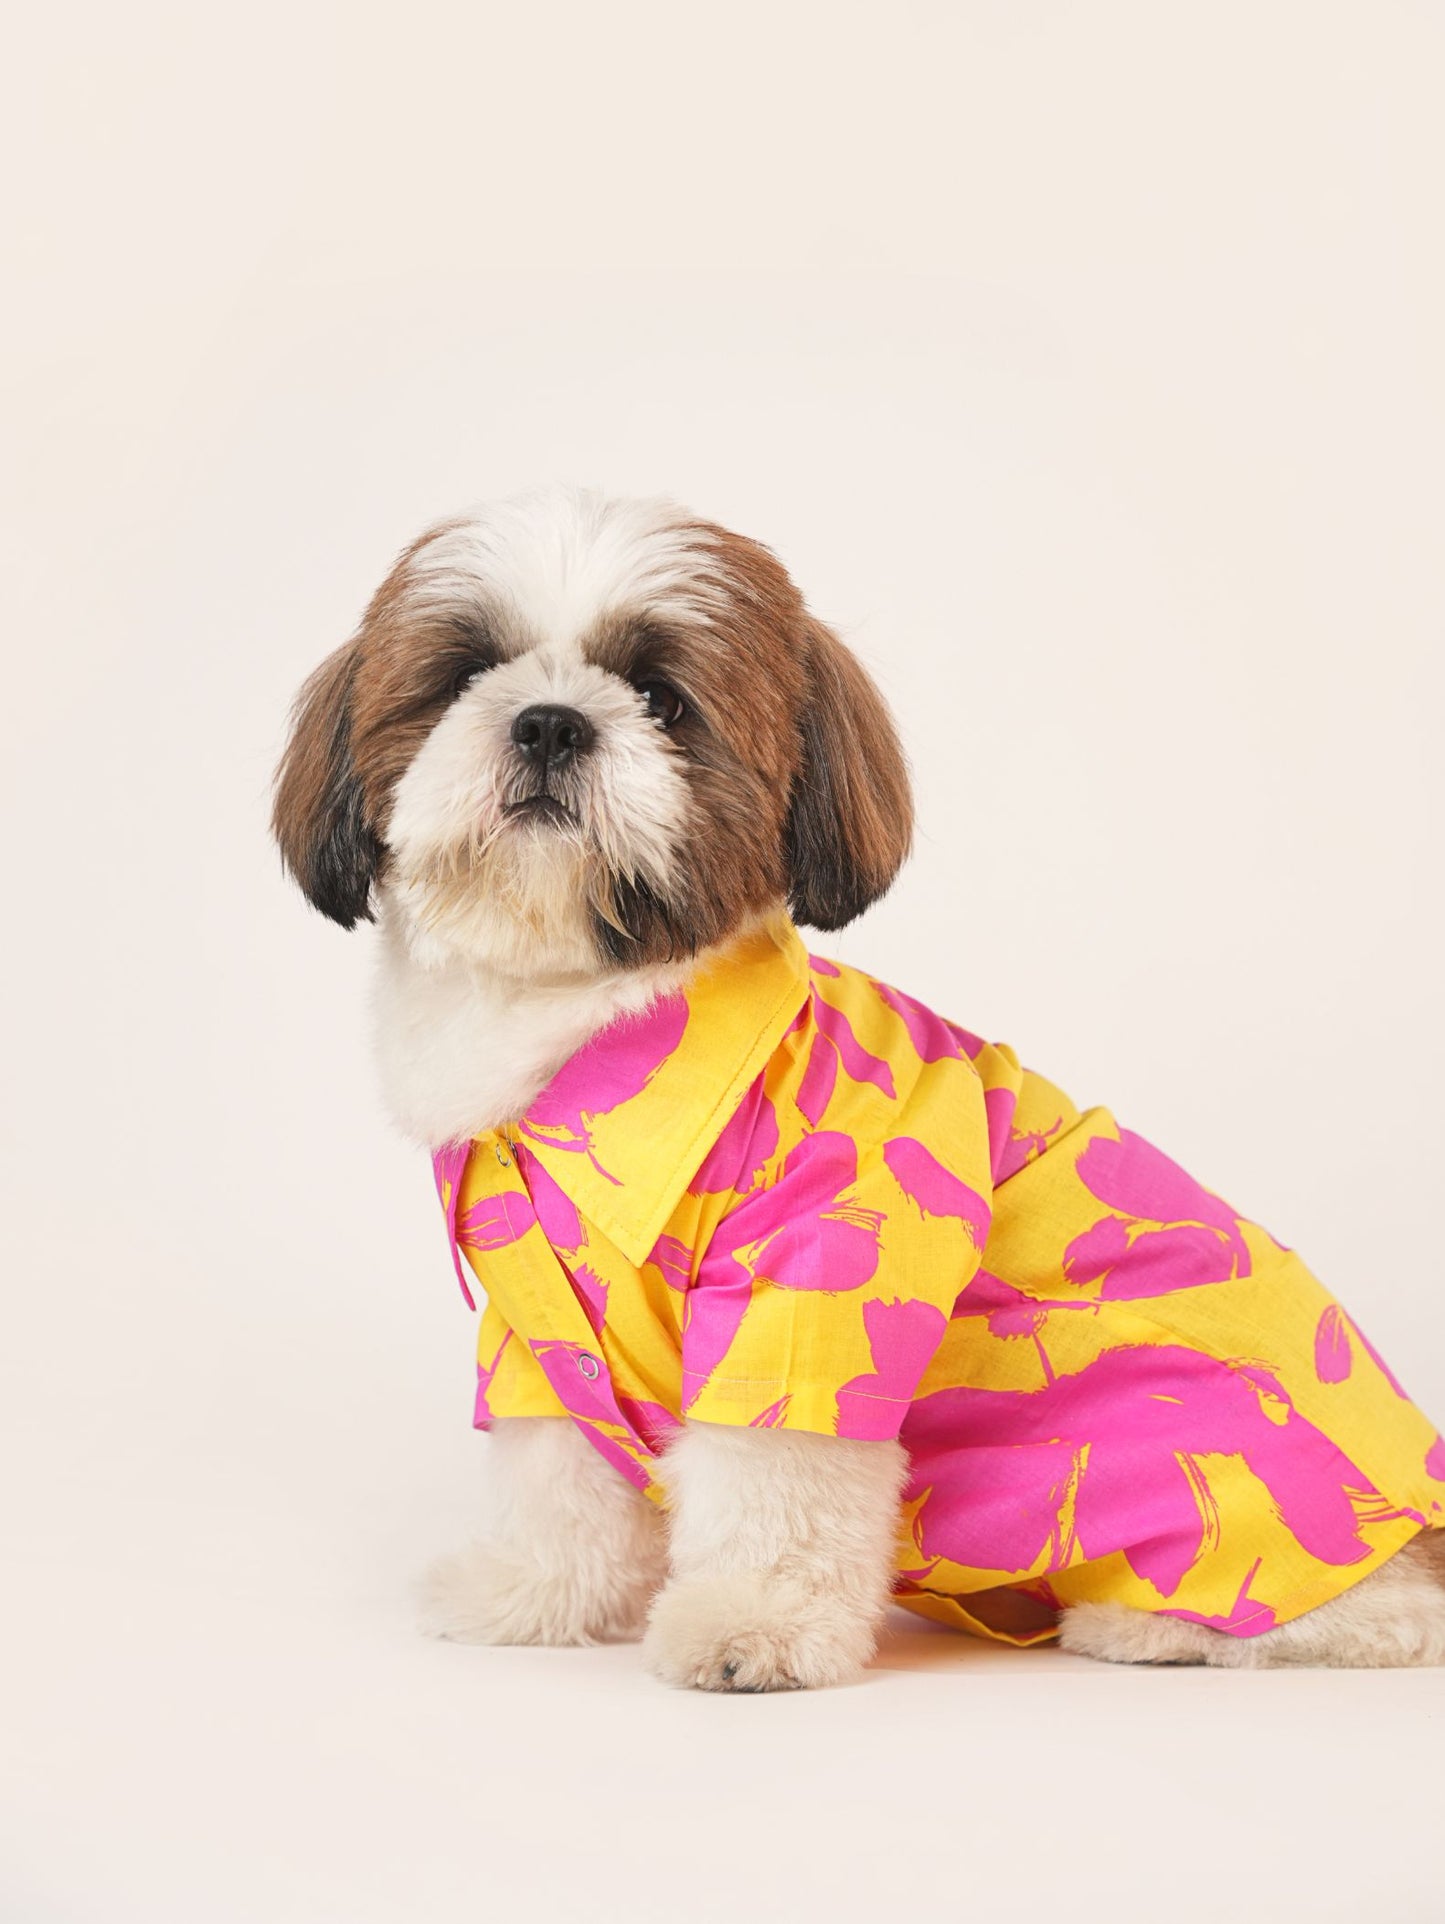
(551,736)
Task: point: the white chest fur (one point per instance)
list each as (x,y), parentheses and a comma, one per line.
(462,1048)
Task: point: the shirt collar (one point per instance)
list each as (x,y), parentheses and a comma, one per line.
(625,1123)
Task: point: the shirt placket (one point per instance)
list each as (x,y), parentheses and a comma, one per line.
(523,1275)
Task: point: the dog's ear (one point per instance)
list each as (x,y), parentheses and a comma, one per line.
(850,819)
(319,817)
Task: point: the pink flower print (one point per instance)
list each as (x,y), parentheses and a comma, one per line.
(712,1314)
(1435,1460)
(993,1510)
(673,1258)
(835,1043)
(933,1039)
(486,1372)
(1169,1232)
(592,1404)
(1246,1618)
(1333,1359)
(815,1091)
(1011,1313)
(935,1190)
(562,1226)
(494,1222)
(773,1416)
(902,1337)
(448,1166)
(557,1213)
(616,1065)
(655,1425)
(820,965)
(591,1292)
(860,1063)
(1112,1456)
(1007,1311)
(998,1105)
(972,1045)
(1335,1337)
(1022,1148)
(743,1148)
(807,1231)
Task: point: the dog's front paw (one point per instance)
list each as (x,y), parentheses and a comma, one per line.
(491,1594)
(753,1632)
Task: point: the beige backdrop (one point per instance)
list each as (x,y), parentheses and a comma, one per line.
(1084,365)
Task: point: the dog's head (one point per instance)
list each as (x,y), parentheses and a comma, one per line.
(575,734)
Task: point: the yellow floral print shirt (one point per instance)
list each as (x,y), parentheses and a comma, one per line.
(794,1197)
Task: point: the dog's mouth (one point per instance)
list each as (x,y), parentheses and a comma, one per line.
(540,808)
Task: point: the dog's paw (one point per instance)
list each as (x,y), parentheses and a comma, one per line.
(1113,1633)
(753,1632)
(484,1595)
(490,1594)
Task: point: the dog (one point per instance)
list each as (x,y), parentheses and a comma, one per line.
(800,1298)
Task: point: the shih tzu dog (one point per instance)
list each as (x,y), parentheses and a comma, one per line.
(799,1297)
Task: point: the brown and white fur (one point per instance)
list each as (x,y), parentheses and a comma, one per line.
(718,752)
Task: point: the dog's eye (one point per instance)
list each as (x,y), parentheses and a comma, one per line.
(665,706)
(467,672)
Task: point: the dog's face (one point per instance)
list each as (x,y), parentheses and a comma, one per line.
(577,734)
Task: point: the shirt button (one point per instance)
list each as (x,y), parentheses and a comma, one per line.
(502,1157)
(589,1366)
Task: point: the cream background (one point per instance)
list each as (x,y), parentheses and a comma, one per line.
(1084,364)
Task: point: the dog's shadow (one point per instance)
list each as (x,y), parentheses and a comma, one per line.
(910,1642)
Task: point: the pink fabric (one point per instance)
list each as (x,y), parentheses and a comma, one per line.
(742,1150)
(616,1065)
(903,1337)
(1335,1339)
(1127,1433)
(1168,1232)
(448,1164)
(936,1190)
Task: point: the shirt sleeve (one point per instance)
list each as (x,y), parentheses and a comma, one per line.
(827,1285)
